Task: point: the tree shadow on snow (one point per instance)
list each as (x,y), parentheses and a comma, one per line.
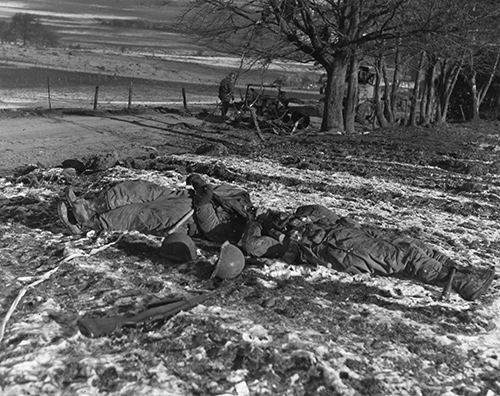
(450,319)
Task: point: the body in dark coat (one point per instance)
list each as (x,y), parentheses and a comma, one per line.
(316,235)
(150,208)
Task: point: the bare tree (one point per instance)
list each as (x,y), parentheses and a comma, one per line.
(4,26)
(21,26)
(436,56)
(416,89)
(352,92)
(481,43)
(28,29)
(448,75)
(477,64)
(331,33)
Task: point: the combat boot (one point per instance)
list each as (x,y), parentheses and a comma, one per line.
(67,218)
(471,283)
(83,210)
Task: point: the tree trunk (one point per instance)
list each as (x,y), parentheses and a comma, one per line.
(431,101)
(478,95)
(395,79)
(423,102)
(334,94)
(416,90)
(431,91)
(352,94)
(438,117)
(379,110)
(475,97)
(449,76)
(387,92)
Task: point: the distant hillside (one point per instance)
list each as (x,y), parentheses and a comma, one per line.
(124,24)
(156,10)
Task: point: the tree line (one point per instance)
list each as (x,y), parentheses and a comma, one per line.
(27,29)
(437,42)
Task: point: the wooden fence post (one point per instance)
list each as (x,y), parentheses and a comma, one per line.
(129,105)
(48,93)
(96,96)
(256,123)
(184,100)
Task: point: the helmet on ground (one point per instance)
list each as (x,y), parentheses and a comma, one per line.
(178,247)
(231,262)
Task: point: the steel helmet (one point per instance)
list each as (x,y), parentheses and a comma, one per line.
(231,262)
(178,247)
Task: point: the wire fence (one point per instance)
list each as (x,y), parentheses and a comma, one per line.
(39,87)
(97,97)
(63,89)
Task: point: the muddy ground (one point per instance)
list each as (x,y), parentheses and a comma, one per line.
(276,329)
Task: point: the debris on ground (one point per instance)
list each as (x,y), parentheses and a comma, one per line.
(276,328)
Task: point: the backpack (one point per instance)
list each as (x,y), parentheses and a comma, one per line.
(233,200)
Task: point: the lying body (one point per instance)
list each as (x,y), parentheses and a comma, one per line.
(313,235)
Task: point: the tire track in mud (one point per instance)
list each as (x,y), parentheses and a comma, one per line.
(126,139)
(199,135)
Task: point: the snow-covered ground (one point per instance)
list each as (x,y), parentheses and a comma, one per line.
(408,342)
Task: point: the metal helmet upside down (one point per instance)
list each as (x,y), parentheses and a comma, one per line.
(231,262)
(178,247)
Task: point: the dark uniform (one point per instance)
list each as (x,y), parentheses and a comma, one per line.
(149,208)
(226,93)
(316,236)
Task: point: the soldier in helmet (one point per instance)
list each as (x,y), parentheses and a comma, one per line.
(315,235)
(220,214)
(312,235)
(226,93)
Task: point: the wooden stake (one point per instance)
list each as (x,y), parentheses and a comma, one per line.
(184,100)
(96,97)
(129,96)
(48,93)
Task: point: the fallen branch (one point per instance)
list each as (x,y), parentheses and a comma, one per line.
(94,251)
(25,289)
(104,247)
(256,123)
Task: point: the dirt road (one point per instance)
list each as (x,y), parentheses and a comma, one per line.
(50,138)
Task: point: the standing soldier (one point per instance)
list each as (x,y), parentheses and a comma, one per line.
(226,89)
